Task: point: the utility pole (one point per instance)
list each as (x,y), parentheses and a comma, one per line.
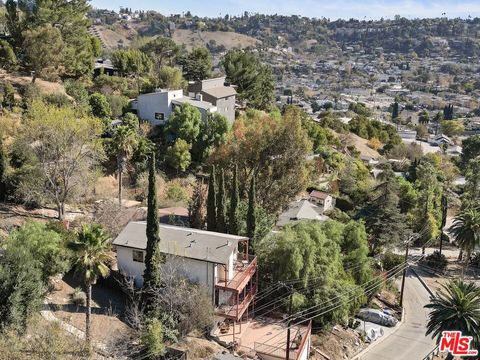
(289,321)
(288,339)
(404,273)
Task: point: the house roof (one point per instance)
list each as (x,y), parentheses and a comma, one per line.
(197,103)
(301,210)
(220,92)
(319,194)
(442,137)
(181,241)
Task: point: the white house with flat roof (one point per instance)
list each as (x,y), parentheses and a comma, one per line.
(157,107)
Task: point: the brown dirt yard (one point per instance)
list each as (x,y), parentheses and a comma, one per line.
(18,80)
(107,309)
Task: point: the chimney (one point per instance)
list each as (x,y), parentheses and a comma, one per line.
(199,97)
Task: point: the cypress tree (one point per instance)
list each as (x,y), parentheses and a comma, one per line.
(251,221)
(234,200)
(395,110)
(151,278)
(448,112)
(221,210)
(211,203)
(3,169)
(196,207)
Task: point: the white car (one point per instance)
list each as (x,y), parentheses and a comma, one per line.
(377,317)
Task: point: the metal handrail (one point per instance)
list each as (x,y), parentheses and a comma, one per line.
(304,339)
(432,353)
(240,276)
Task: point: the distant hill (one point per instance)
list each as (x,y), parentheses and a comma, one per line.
(118,35)
(228,39)
(114,36)
(425,37)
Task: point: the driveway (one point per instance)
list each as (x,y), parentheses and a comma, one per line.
(408,342)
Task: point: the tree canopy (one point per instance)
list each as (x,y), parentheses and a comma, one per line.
(253,78)
(197,65)
(306,251)
(184,123)
(275,150)
(66,147)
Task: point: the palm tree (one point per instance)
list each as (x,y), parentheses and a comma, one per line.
(466,230)
(92,254)
(125,141)
(456,308)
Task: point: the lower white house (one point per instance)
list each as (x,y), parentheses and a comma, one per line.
(219,262)
(207,258)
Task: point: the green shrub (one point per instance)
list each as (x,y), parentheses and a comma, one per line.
(176,192)
(8,95)
(391,260)
(436,261)
(59,100)
(110,84)
(152,338)
(76,90)
(79,298)
(30,93)
(100,105)
(118,104)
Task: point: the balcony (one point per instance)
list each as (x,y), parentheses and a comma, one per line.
(243,270)
(236,311)
(267,338)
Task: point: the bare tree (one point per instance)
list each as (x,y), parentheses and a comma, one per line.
(182,303)
(187,302)
(66,148)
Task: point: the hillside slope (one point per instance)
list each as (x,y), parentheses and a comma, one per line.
(115,36)
(230,40)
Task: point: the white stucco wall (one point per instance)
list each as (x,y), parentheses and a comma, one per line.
(129,267)
(158,102)
(328,204)
(198,271)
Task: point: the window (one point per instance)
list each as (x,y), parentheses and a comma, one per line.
(137,256)
(159,116)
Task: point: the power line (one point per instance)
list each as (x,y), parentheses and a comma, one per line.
(335,306)
(395,271)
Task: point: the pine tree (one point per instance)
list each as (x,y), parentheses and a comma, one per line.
(150,276)
(251,221)
(234,200)
(385,223)
(3,169)
(196,207)
(211,203)
(221,209)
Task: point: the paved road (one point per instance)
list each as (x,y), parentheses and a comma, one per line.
(409,341)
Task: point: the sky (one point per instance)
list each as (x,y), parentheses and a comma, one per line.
(332,9)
